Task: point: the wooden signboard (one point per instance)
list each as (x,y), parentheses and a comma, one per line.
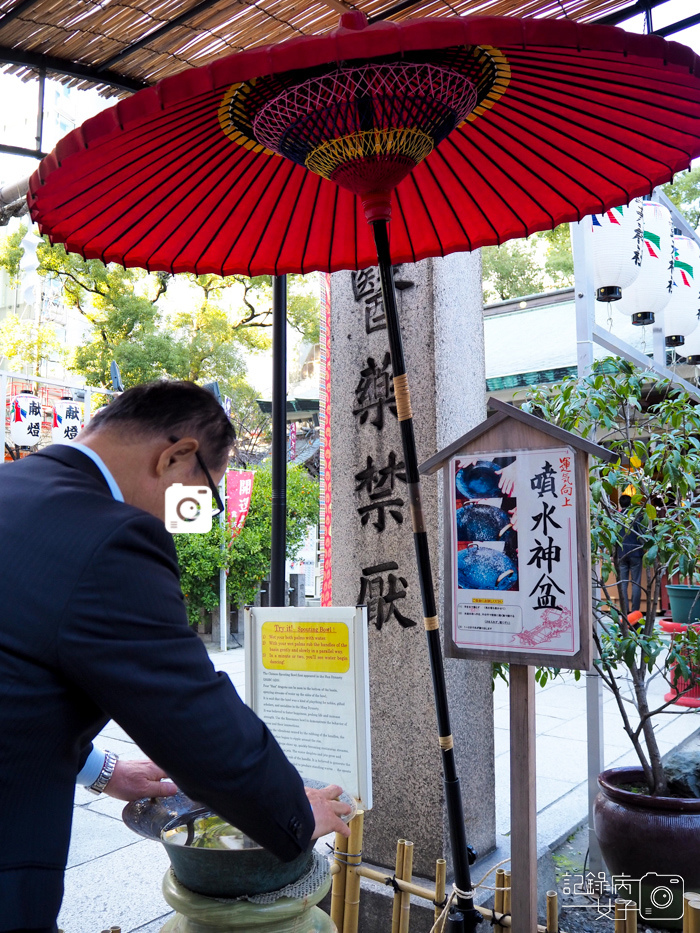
(517,583)
(307,678)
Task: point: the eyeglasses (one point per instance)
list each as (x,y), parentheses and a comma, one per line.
(212,485)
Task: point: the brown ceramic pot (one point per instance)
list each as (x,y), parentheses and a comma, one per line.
(640,836)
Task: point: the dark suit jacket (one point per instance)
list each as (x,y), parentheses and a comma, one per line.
(93,626)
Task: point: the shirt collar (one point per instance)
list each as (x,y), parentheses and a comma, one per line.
(102,467)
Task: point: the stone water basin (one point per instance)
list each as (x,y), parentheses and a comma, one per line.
(243,869)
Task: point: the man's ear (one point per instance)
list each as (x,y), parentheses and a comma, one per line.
(176,454)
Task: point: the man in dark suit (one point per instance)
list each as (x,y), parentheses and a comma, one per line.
(93,626)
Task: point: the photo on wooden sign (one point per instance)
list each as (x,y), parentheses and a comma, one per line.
(514,578)
(486,520)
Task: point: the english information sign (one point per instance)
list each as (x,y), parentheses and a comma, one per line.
(307,678)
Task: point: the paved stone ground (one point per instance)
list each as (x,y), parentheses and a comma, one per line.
(114,877)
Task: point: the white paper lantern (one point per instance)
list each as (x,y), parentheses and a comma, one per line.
(650,292)
(681,312)
(691,348)
(25,419)
(617,249)
(67,420)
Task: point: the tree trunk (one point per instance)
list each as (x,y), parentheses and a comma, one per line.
(659,785)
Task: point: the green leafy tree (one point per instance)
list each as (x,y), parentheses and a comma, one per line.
(559,261)
(11,253)
(655,431)
(525,267)
(26,343)
(511,270)
(685,194)
(247,555)
(131,323)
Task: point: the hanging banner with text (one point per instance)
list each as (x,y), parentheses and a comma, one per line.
(307,678)
(514,552)
(239,489)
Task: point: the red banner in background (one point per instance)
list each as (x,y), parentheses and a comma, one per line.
(239,489)
(325,420)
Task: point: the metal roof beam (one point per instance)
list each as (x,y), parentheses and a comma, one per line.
(641,6)
(677,27)
(69,69)
(390,11)
(21,151)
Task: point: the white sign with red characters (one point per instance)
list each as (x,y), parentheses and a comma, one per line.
(239,489)
(514,550)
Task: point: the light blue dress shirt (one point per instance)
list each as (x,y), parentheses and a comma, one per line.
(92,767)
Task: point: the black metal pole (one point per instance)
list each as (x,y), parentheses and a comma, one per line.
(453,794)
(279,440)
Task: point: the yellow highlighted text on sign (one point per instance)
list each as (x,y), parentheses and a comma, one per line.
(321,647)
(491,602)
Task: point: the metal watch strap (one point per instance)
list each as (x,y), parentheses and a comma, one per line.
(105,774)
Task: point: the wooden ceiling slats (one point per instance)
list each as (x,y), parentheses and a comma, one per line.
(92,32)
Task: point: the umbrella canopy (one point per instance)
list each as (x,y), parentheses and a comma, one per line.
(531,123)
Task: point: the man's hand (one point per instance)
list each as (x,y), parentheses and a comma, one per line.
(327,810)
(133,780)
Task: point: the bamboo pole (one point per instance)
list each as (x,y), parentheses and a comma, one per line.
(506,892)
(351,914)
(338,888)
(620,913)
(498,895)
(687,897)
(404,414)
(692,908)
(440,879)
(552,912)
(383,878)
(406,895)
(631,917)
(398,873)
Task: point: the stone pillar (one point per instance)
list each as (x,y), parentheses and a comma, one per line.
(297,589)
(373,559)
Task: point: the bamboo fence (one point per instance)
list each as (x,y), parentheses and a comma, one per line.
(347,871)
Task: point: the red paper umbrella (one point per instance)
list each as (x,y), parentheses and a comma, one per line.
(463,132)
(491,128)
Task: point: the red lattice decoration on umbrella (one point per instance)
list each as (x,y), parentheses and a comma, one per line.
(365,125)
(366,128)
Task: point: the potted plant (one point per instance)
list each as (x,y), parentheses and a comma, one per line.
(655,429)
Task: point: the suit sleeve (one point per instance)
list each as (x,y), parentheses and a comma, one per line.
(125,641)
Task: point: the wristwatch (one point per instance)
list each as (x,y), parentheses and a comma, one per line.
(105,774)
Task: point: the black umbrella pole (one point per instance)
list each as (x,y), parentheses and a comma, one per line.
(279,440)
(453,795)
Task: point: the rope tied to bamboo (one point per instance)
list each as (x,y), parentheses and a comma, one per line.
(496,920)
(391,882)
(439,924)
(348,855)
(431,623)
(446,742)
